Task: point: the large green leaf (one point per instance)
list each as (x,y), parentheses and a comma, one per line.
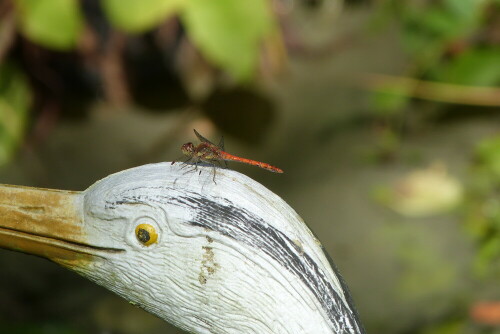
(140,15)
(52,23)
(15,100)
(229,32)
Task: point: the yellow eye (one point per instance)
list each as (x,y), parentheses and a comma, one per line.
(146,234)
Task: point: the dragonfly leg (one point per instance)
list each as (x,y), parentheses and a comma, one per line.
(213,178)
(180,158)
(193,168)
(219,164)
(186,163)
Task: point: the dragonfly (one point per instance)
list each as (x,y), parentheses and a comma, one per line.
(213,154)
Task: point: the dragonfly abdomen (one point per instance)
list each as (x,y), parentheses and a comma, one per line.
(229,157)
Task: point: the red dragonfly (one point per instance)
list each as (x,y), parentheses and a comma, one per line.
(208,152)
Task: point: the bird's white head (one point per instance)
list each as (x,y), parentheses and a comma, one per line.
(225,257)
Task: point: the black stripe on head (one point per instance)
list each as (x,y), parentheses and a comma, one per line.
(241,225)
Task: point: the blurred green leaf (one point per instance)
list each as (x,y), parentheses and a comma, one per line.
(483,209)
(476,67)
(53,23)
(15,100)
(430,26)
(140,15)
(386,103)
(465,10)
(451,326)
(487,257)
(488,156)
(440,23)
(229,32)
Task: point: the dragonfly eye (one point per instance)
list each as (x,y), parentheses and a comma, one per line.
(187,148)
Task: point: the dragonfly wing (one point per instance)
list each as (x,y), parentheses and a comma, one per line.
(201,138)
(221,145)
(205,140)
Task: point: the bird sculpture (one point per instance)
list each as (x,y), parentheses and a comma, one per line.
(224,257)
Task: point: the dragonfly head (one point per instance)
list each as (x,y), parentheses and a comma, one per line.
(188,149)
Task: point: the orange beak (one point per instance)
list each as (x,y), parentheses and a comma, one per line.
(43,222)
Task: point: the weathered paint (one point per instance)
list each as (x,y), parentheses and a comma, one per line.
(42,222)
(45,222)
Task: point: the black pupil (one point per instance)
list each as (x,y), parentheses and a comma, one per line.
(143,235)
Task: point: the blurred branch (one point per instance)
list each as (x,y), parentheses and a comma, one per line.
(429,90)
(104,54)
(7,29)
(113,71)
